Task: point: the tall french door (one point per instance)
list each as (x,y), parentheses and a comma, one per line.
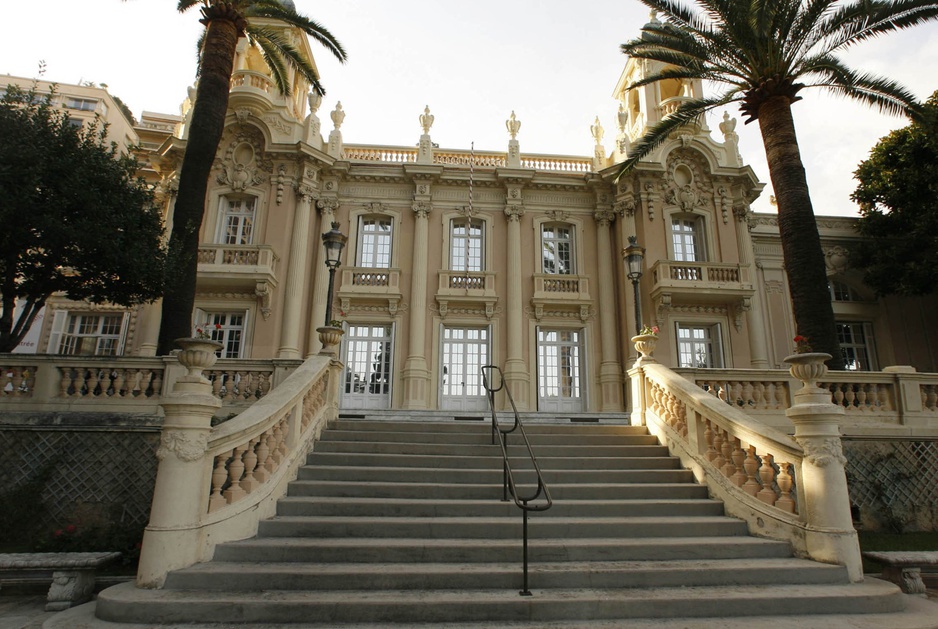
(559,370)
(465,352)
(367,367)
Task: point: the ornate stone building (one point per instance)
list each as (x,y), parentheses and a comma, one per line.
(458,258)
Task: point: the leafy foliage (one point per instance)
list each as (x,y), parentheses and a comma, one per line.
(76,218)
(898,198)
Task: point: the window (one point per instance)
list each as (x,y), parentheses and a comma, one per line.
(237,220)
(89,334)
(842,292)
(856,345)
(699,346)
(559,370)
(557,249)
(225,327)
(368,360)
(466,245)
(75,122)
(374,242)
(81,104)
(686,237)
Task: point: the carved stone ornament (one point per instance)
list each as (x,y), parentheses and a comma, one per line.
(328,206)
(836,259)
(426,120)
(513,125)
(244,162)
(622,118)
(337,115)
(559,216)
(315,102)
(305,193)
(186,445)
(242,114)
(421,209)
(597,131)
(375,207)
(626,206)
(822,452)
(604,218)
(263,293)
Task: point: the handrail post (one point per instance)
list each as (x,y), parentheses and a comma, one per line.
(526,591)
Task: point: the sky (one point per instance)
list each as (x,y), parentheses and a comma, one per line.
(553,62)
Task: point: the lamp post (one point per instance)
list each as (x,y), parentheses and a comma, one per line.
(334,241)
(635,261)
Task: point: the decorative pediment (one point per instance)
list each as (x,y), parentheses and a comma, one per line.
(244,163)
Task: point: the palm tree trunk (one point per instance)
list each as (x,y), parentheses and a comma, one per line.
(205,131)
(801,243)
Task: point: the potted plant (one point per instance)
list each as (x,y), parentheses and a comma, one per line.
(646,340)
(805,364)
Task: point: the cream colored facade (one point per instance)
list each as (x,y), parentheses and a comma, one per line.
(457,259)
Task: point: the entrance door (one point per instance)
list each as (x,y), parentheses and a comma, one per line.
(367,367)
(465,351)
(559,374)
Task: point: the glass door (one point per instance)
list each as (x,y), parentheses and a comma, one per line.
(465,351)
(367,367)
(559,368)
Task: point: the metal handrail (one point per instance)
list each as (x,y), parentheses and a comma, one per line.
(508,481)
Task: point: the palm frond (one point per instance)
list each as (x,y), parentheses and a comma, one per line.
(279,53)
(866,19)
(686,114)
(184,5)
(885,94)
(277,11)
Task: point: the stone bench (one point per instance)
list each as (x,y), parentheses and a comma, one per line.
(72,573)
(904,568)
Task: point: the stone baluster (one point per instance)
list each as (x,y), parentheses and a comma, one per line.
(219,476)
(751,465)
(708,438)
(767,474)
(249,482)
(784,482)
(717,459)
(739,460)
(728,468)
(235,471)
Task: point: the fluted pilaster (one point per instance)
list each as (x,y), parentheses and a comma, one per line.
(297,270)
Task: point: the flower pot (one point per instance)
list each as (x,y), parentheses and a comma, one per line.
(645,344)
(197,354)
(808,367)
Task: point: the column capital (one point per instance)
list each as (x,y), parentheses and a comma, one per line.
(328,206)
(421,209)
(604,218)
(625,206)
(306,193)
(514,213)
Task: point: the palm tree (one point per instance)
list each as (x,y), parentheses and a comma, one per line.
(763,53)
(225,22)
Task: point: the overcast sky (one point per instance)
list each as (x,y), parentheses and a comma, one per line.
(555,63)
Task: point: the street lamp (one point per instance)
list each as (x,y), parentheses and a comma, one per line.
(635,261)
(334,241)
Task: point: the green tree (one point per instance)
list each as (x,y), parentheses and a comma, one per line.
(226,21)
(898,198)
(763,54)
(76,218)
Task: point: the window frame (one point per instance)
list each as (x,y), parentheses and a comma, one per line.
(715,340)
(361,236)
(204,319)
(571,241)
(471,222)
(61,332)
(868,346)
(699,233)
(224,214)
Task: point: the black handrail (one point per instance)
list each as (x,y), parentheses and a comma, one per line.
(508,481)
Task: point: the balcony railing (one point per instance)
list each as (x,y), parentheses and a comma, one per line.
(236,264)
(560,288)
(457,157)
(697,278)
(467,283)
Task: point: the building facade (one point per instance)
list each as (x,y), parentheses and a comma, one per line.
(456,259)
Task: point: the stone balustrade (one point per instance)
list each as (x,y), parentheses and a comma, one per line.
(458,282)
(48,382)
(760,473)
(456,157)
(215,484)
(252,79)
(890,402)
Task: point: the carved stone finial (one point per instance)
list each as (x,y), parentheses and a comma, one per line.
(337,115)
(513,125)
(315,101)
(597,130)
(622,118)
(728,125)
(426,120)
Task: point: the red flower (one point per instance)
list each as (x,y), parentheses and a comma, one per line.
(58,533)
(71,528)
(218,326)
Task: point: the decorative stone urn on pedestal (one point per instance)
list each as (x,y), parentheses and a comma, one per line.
(330,336)
(197,354)
(645,344)
(809,367)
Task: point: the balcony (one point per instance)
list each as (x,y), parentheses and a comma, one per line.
(253,90)
(560,293)
(701,281)
(369,284)
(237,266)
(468,289)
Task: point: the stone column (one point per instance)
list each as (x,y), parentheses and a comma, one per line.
(327,208)
(172,539)
(149,316)
(416,376)
(609,371)
(516,373)
(625,207)
(757,347)
(297,273)
(830,536)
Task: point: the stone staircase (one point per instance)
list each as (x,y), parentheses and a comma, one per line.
(397,523)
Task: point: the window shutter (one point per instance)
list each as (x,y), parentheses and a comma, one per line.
(58,327)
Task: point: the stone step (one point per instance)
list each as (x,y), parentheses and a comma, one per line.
(484,437)
(668,471)
(485,427)
(411,550)
(222,576)
(124,603)
(491,462)
(498,528)
(480,450)
(479,491)
(491,507)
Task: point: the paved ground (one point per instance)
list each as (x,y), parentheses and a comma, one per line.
(24,609)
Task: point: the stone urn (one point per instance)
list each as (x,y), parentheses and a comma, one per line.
(330,336)
(197,354)
(645,344)
(808,367)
